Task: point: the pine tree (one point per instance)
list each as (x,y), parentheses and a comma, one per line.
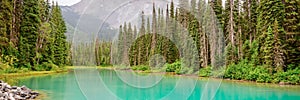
(292,16)
(254,51)
(120,46)
(268,12)
(129,40)
(141,46)
(154,31)
(16,22)
(29,33)
(60,43)
(148,26)
(44,41)
(5,24)
(253,14)
(279,58)
(135,33)
(231,30)
(172,15)
(218,9)
(267,49)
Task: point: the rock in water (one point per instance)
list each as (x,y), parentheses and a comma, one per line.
(8,92)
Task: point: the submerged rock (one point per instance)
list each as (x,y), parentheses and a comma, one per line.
(8,92)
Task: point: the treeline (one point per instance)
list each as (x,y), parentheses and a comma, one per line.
(257,40)
(263,39)
(186,34)
(32,36)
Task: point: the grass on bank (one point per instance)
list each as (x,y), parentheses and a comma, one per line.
(11,74)
(244,71)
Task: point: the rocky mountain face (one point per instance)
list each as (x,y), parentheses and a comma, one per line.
(102,18)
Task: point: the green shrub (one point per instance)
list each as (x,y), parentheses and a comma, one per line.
(45,66)
(134,68)
(293,79)
(11,70)
(144,68)
(233,71)
(264,77)
(290,76)
(205,72)
(5,68)
(184,70)
(141,67)
(218,72)
(173,67)
(23,70)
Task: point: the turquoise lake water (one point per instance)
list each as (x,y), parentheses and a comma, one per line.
(91,84)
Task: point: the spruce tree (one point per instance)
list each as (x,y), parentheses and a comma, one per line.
(120,45)
(268,12)
(172,15)
(60,43)
(5,25)
(292,15)
(29,33)
(218,9)
(154,30)
(279,56)
(141,46)
(267,49)
(44,41)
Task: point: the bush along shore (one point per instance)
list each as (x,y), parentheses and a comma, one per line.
(8,92)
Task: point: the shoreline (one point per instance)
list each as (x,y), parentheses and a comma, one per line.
(13,78)
(31,73)
(18,76)
(199,77)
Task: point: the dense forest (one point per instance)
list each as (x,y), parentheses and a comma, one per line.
(255,40)
(261,39)
(32,36)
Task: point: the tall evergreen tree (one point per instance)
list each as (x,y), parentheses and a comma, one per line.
(5,25)
(268,12)
(44,41)
(267,49)
(154,30)
(218,9)
(292,15)
(29,31)
(60,43)
(279,52)
(172,15)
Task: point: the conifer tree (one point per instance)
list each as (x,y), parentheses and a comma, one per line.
(154,30)
(267,49)
(44,41)
(29,31)
(172,15)
(5,24)
(218,9)
(141,47)
(268,12)
(279,58)
(292,15)
(60,43)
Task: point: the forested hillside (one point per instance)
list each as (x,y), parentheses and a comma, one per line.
(32,36)
(261,38)
(255,40)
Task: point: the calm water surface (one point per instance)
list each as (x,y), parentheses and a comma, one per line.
(111,87)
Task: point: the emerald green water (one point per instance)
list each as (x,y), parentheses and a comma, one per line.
(82,87)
